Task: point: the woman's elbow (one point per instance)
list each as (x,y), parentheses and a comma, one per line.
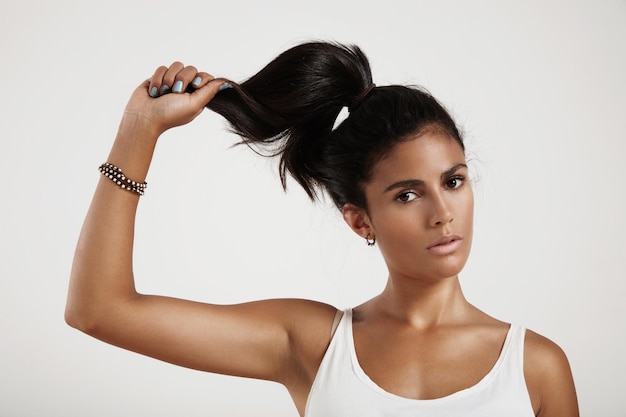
(80,318)
(85,313)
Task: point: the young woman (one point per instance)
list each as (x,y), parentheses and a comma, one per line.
(396,169)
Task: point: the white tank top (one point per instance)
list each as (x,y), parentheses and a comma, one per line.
(342,389)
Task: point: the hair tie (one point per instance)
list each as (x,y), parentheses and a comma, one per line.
(361,97)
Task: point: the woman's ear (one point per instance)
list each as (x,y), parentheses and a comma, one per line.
(358,220)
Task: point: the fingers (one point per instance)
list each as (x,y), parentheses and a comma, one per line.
(170,76)
(177,78)
(201,79)
(156,82)
(174,95)
(207,87)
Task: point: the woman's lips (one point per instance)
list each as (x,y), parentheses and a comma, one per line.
(445,245)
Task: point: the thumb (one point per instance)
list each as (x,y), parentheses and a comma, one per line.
(203,95)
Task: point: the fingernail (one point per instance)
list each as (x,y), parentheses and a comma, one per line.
(178,87)
(153,92)
(225,86)
(165,89)
(196,81)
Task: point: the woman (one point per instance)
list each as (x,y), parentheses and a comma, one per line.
(396,169)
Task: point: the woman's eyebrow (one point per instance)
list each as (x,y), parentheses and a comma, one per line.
(453,170)
(404,184)
(417,183)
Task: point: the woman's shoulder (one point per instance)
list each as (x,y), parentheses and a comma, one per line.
(305,309)
(305,324)
(300,317)
(548,376)
(542,355)
(309,323)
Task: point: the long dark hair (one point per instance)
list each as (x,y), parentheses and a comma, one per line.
(289,109)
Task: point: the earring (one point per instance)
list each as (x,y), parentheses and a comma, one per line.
(371,241)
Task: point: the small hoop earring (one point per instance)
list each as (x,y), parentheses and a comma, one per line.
(371,241)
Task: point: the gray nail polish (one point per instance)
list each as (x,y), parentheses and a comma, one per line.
(165,89)
(225,86)
(178,87)
(196,81)
(153,92)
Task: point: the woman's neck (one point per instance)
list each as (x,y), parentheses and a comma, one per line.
(423,304)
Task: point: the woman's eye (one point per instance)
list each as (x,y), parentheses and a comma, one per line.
(406,197)
(454,183)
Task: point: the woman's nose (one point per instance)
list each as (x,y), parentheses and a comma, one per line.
(441,213)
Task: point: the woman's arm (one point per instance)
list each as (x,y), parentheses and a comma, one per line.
(549,378)
(261,340)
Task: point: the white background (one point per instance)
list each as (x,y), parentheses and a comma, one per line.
(538,86)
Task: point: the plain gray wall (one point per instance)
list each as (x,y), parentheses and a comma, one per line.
(538,87)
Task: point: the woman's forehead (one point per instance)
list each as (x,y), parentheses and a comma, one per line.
(429,153)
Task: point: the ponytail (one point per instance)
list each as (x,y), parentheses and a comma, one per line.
(290,106)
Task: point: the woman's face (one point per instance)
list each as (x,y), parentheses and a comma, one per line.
(421,207)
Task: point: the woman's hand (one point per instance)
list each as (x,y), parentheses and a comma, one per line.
(162,102)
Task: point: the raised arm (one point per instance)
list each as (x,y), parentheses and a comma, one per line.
(280,340)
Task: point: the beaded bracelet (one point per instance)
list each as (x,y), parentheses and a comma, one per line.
(117,176)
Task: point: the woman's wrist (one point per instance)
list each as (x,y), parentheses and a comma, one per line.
(133,147)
